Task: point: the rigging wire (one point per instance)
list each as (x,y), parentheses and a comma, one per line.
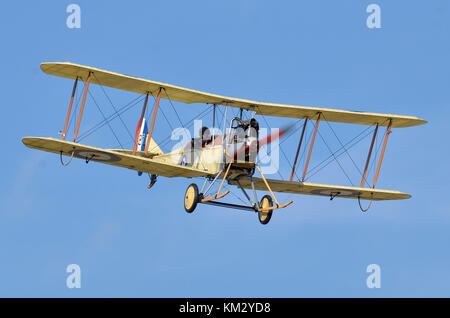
(284,154)
(107,121)
(122,110)
(173,107)
(235,195)
(303,155)
(265,120)
(221,119)
(202,114)
(335,157)
(73,114)
(281,142)
(350,142)
(372,164)
(162,111)
(115,110)
(345,150)
(376,155)
(332,154)
(73,117)
(378,145)
(318,168)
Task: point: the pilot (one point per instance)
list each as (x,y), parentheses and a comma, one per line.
(203,139)
(205,135)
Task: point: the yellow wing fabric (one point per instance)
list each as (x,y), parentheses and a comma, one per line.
(185,95)
(323,189)
(112,157)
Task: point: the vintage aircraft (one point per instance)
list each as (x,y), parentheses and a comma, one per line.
(231,156)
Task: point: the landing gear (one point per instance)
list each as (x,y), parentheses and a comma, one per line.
(191,198)
(153,179)
(264,216)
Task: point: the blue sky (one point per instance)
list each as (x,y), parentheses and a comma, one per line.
(130,241)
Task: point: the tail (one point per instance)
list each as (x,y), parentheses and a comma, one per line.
(142,139)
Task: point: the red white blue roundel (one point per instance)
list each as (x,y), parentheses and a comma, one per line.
(94,155)
(336,192)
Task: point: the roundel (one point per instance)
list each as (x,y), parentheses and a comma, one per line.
(336,192)
(94,155)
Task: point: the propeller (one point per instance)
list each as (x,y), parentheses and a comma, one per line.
(255,145)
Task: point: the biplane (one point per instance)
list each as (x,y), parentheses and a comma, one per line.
(231,156)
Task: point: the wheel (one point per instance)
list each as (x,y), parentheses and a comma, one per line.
(264,217)
(191,198)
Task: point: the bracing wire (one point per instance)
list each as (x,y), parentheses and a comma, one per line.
(173,107)
(162,111)
(333,155)
(187,124)
(331,152)
(373,165)
(115,110)
(122,110)
(74,112)
(107,121)
(327,161)
(345,149)
(73,117)
(282,151)
(99,125)
(221,119)
(233,194)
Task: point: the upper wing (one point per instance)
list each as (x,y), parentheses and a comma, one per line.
(323,189)
(112,157)
(185,95)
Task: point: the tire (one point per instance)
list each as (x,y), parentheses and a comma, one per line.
(191,198)
(264,217)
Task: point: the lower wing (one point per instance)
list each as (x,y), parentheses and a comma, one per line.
(112,157)
(322,189)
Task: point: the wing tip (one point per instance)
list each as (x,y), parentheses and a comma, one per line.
(423,122)
(46,65)
(404,196)
(27,140)
(419,121)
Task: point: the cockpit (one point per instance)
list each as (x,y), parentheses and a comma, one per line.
(243,133)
